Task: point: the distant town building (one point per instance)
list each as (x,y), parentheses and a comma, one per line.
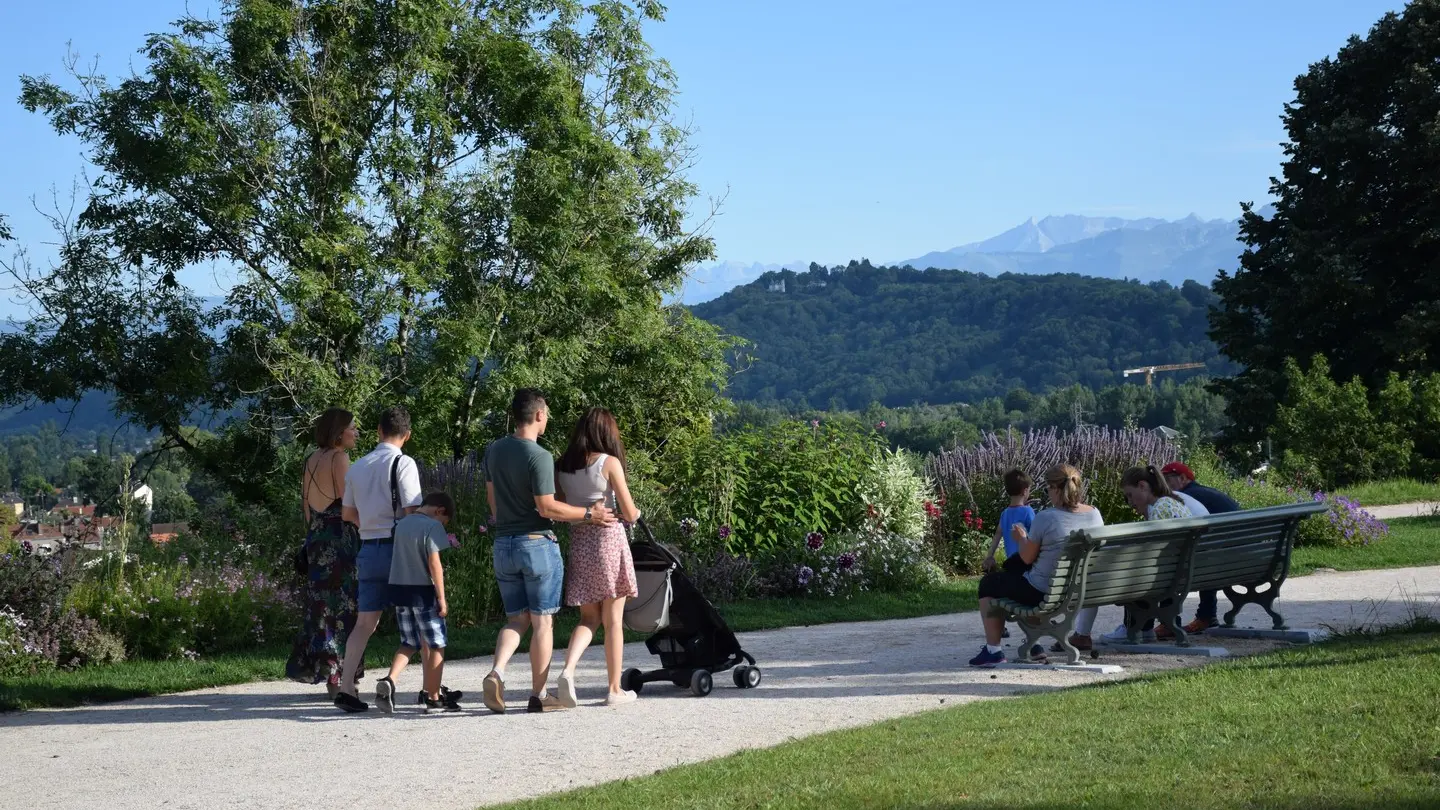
(166,532)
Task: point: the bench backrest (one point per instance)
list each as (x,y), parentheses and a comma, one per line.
(1132,561)
(1249,547)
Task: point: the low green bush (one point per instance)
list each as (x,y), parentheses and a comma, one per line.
(176,611)
(750,491)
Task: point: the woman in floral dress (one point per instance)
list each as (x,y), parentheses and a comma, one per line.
(331,590)
(600,575)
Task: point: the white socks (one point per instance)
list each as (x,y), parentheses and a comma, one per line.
(991,648)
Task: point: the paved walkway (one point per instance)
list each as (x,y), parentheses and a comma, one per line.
(1405,510)
(275,745)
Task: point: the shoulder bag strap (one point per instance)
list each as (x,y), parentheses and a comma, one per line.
(395,492)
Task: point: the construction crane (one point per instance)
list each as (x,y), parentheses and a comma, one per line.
(1149,371)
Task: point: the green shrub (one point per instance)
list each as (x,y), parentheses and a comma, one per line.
(174,611)
(868,559)
(895,493)
(755,489)
(19,656)
(1332,434)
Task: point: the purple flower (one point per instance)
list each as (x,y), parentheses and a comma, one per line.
(27,546)
(804,575)
(814,541)
(724,532)
(846,561)
(814,423)
(880,425)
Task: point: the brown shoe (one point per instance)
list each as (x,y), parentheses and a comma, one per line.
(549,703)
(1162,633)
(1079,642)
(494,693)
(1201,625)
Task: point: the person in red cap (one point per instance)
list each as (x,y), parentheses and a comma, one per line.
(1182,480)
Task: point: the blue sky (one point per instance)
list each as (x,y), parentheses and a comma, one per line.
(849,129)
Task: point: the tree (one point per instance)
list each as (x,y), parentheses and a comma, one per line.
(1348,265)
(1332,435)
(425,202)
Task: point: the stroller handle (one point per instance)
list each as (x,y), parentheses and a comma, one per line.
(645,527)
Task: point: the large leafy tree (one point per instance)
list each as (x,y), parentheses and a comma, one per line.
(1348,265)
(426,202)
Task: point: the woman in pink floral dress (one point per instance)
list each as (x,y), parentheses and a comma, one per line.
(600,575)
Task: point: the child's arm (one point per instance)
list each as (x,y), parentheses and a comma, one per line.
(989,562)
(437,576)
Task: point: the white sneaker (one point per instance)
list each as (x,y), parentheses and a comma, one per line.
(565,691)
(620,698)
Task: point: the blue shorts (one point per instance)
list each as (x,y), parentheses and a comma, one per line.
(530,573)
(420,626)
(372,569)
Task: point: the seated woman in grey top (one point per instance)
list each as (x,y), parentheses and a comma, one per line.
(1040,548)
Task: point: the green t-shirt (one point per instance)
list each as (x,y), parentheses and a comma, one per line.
(520,470)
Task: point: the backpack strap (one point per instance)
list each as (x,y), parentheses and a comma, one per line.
(395,492)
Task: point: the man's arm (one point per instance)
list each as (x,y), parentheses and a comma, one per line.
(552,509)
(437,576)
(490,497)
(409,486)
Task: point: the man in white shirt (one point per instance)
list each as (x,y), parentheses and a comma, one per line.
(380,488)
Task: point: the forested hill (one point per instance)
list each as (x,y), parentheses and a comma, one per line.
(846,337)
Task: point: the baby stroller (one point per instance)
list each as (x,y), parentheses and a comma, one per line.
(686,631)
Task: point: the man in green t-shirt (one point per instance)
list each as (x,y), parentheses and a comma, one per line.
(520,484)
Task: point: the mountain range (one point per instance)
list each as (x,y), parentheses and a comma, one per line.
(1149,249)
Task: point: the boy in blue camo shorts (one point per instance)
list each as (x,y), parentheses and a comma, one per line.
(417,587)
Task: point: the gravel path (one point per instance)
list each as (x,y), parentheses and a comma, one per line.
(1405,510)
(275,745)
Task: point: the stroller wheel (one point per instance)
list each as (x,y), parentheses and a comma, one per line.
(630,679)
(747,677)
(701,683)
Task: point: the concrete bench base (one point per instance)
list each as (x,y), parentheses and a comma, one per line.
(1291,636)
(1102,669)
(1164,648)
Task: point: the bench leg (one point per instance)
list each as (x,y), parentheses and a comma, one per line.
(1058,628)
(1166,612)
(1263,595)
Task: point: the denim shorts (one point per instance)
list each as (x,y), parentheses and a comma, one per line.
(372,569)
(530,573)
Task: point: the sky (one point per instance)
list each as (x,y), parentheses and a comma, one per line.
(838,129)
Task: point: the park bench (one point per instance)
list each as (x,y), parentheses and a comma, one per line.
(1150,567)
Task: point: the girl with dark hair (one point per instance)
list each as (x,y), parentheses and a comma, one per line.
(331,590)
(1147,493)
(601,571)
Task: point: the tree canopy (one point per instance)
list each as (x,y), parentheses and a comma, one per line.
(847,337)
(1348,266)
(424,202)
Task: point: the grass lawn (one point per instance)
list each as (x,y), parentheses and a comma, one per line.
(1397,490)
(1412,541)
(141,678)
(1346,724)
